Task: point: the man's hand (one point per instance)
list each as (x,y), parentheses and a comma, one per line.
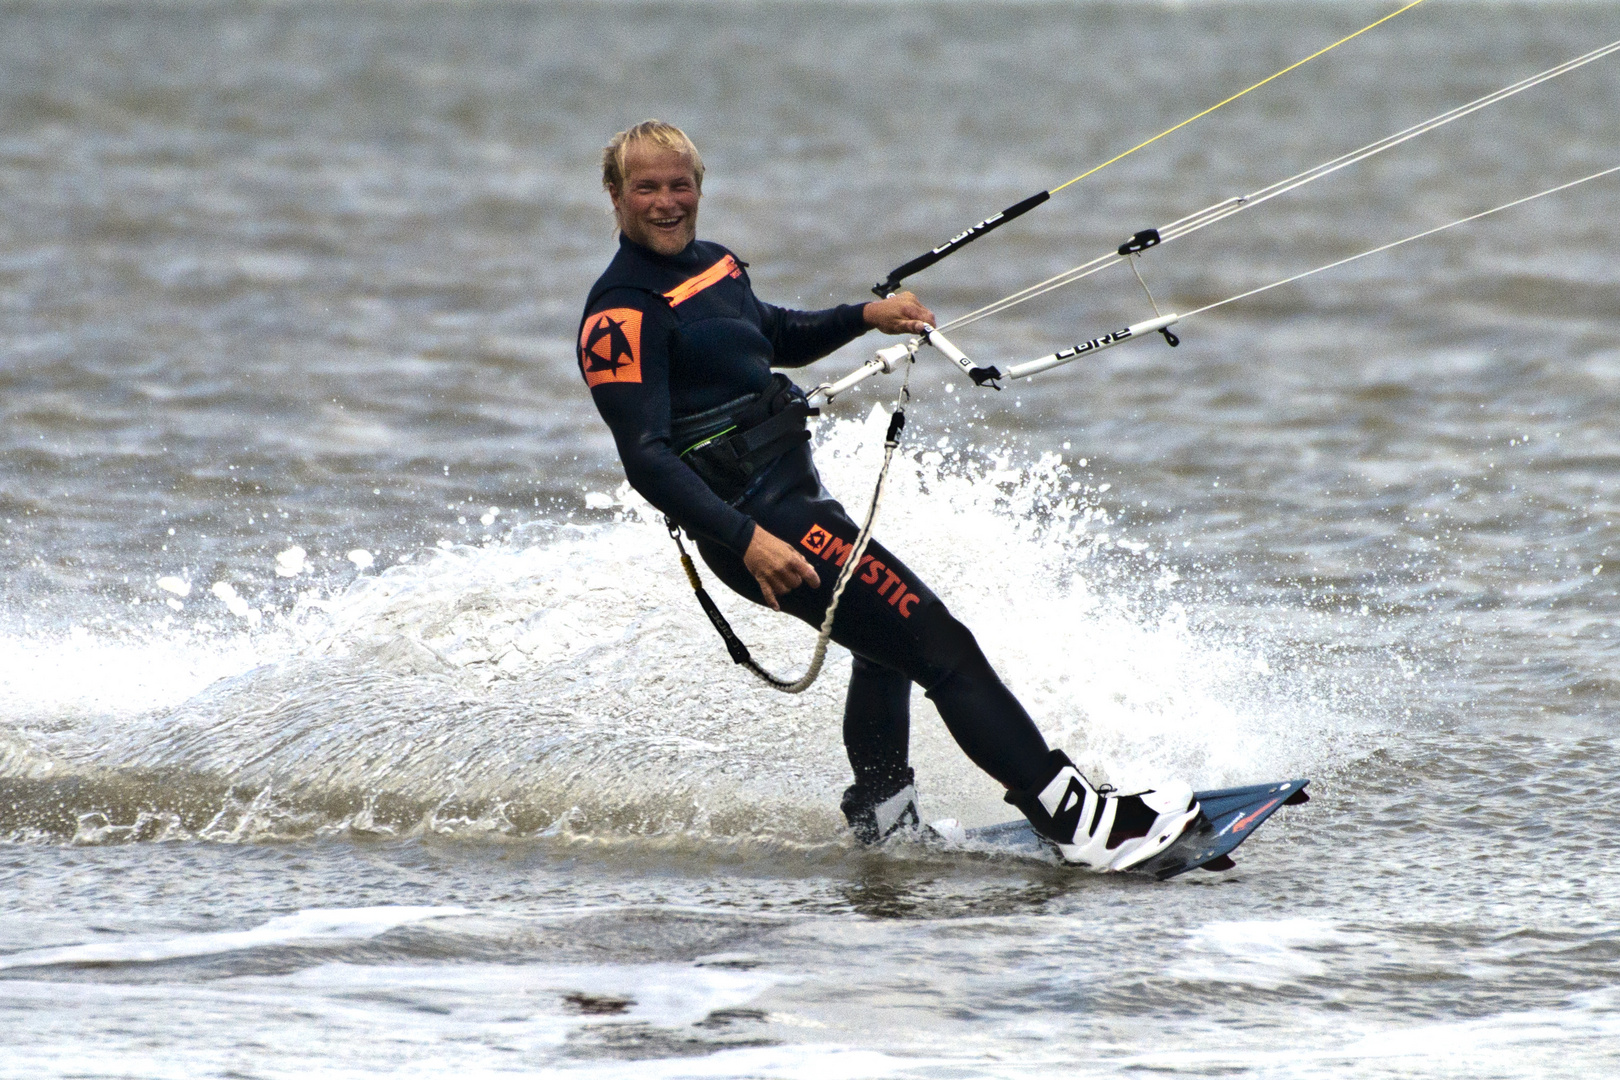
(776,566)
(901,313)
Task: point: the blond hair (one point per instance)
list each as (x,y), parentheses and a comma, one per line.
(656,132)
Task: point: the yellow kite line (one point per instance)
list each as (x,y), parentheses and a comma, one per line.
(892,283)
(1235,96)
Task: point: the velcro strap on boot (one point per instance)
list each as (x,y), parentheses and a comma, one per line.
(1056,805)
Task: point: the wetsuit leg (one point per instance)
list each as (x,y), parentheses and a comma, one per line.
(877,724)
(889,617)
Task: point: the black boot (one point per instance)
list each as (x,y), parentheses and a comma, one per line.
(878,812)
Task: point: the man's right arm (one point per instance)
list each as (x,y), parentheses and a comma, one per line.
(624,356)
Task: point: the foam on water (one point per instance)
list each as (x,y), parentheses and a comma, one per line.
(564,677)
(1552,1042)
(105,676)
(309,1004)
(1263,953)
(427,1019)
(315,925)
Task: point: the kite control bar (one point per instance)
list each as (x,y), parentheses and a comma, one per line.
(891,284)
(1161,324)
(883,363)
(886,360)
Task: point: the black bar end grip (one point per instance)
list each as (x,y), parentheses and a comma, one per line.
(884,289)
(1140,242)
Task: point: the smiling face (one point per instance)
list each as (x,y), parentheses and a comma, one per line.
(658,203)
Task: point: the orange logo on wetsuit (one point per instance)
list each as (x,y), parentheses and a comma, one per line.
(610,347)
(819,541)
(815,541)
(726,267)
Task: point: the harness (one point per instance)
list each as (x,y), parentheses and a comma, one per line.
(729,445)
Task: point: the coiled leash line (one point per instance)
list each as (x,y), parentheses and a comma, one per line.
(734,644)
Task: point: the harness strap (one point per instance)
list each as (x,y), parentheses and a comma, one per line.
(729,446)
(760,444)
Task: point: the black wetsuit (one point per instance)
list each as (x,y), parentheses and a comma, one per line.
(678,343)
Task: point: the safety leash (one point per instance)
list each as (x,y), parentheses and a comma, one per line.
(734,644)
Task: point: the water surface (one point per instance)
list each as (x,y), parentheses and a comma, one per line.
(355,720)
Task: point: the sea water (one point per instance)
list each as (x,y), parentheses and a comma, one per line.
(356,719)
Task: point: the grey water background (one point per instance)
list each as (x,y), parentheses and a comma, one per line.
(421,759)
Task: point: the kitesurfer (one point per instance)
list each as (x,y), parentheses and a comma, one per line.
(678,354)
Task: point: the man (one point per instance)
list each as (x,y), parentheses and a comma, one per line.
(677,352)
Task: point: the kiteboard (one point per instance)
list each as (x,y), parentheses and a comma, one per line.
(1226,818)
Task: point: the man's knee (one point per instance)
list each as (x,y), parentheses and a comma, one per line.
(870,671)
(947,647)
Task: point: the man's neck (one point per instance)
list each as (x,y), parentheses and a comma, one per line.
(685,253)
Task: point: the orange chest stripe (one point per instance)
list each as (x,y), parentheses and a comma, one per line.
(726,267)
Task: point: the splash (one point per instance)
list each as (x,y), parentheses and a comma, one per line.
(564,681)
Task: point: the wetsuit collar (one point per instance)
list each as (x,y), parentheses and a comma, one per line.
(680,260)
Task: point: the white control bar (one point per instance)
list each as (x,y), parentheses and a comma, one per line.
(1057,359)
(952,353)
(886,361)
(883,363)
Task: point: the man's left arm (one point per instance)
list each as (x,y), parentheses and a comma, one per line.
(803,337)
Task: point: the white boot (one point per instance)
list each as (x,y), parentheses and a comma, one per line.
(1101,828)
